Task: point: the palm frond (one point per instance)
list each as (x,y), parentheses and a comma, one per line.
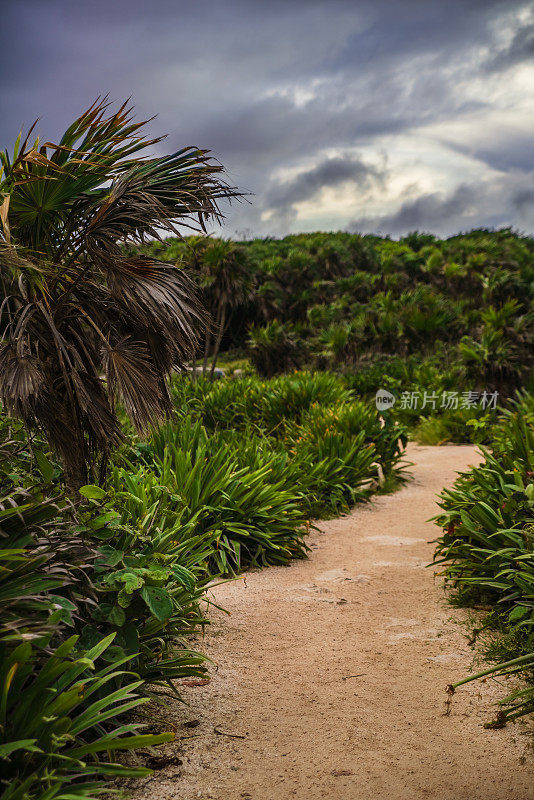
(74,305)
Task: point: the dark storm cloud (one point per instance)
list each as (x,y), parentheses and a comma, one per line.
(296,86)
(282,196)
(427,212)
(520,49)
(524,200)
(505,152)
(330,172)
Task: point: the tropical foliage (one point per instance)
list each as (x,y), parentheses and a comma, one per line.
(415,315)
(64,701)
(487,548)
(75,306)
(100,599)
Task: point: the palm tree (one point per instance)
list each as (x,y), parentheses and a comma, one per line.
(83,322)
(225,275)
(275,348)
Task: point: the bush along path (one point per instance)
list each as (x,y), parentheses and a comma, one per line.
(488,549)
(330,674)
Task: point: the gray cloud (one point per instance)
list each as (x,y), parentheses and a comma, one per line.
(507,202)
(282,196)
(520,49)
(507,151)
(330,172)
(428,212)
(274,86)
(523,200)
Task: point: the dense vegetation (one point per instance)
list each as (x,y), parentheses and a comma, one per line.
(488,549)
(450,318)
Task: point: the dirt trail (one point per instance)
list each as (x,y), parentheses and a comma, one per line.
(334,669)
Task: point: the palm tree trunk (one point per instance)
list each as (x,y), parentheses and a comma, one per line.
(206,352)
(75,470)
(217,345)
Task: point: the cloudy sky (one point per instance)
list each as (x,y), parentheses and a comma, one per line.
(364,115)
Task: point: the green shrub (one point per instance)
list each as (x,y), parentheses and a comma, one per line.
(149,578)
(60,715)
(488,544)
(275,348)
(266,405)
(333,472)
(248,515)
(461,425)
(287,400)
(319,444)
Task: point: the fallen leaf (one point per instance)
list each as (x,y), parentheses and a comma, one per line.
(192,723)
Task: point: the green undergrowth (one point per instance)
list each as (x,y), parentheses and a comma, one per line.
(487,552)
(101,599)
(69,676)
(431,397)
(455,410)
(306,431)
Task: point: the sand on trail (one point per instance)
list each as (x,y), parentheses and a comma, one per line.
(333,670)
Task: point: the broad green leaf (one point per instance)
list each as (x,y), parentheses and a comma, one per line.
(92,492)
(158,601)
(45,467)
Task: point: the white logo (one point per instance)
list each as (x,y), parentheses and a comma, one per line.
(384,400)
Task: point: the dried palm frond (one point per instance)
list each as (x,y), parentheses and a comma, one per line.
(74,307)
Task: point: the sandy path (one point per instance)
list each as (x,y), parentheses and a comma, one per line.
(363,605)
